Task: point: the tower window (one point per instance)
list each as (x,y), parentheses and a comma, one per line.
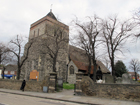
(34,33)
(38,32)
(60,33)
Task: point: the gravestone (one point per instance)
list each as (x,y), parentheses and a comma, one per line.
(126,79)
(119,80)
(60,83)
(108,78)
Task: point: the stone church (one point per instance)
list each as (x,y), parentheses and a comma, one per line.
(50,37)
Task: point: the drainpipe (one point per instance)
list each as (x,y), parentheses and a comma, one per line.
(67,73)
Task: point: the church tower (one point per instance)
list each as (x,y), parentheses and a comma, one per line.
(40,27)
(51,40)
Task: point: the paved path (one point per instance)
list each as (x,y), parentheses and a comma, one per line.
(67,95)
(14,99)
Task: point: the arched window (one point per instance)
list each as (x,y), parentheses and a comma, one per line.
(71,69)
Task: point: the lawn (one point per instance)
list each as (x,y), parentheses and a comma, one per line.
(68,86)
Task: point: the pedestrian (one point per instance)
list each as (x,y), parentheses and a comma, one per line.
(23,85)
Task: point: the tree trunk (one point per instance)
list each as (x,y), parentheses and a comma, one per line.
(94,63)
(18,73)
(113,71)
(54,64)
(94,72)
(3,72)
(89,66)
(135,76)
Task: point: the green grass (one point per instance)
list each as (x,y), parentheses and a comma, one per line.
(68,86)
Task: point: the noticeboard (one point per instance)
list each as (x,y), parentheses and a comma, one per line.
(34,75)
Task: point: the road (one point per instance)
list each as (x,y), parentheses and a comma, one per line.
(12,99)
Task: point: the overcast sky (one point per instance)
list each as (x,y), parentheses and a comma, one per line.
(17,15)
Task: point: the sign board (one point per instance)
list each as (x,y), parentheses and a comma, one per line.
(34,75)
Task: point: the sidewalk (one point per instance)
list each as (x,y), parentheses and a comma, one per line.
(67,95)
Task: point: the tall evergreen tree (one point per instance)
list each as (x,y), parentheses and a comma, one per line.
(120,68)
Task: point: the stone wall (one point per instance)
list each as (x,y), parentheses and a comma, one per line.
(113,91)
(118,91)
(30,85)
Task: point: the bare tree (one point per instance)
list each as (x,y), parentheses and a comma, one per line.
(17,49)
(5,57)
(55,41)
(115,35)
(135,65)
(87,39)
(136,17)
(4,54)
(106,61)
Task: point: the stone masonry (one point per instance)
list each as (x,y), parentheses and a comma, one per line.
(36,86)
(113,91)
(42,33)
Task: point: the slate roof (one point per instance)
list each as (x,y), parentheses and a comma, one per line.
(50,14)
(49,17)
(77,54)
(80,59)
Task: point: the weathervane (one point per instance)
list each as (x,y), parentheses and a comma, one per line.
(51,8)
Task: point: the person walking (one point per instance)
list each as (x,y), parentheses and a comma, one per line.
(23,85)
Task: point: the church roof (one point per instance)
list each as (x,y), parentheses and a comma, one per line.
(80,59)
(50,14)
(77,54)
